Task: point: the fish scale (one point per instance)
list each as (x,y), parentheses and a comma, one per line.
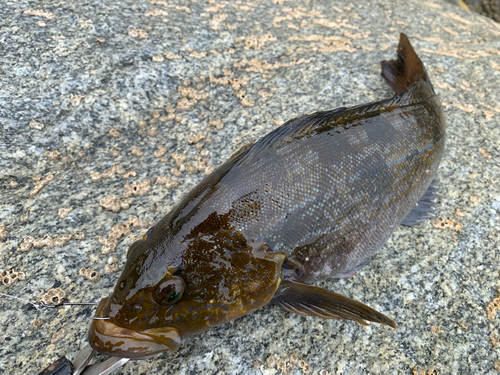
(313,199)
(385,152)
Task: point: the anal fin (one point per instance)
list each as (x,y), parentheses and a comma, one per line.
(424,209)
(297,297)
(351,273)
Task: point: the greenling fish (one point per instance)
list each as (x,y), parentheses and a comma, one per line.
(311,200)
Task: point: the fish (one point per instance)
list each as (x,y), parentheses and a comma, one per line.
(311,200)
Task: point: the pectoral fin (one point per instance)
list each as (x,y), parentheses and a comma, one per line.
(303,299)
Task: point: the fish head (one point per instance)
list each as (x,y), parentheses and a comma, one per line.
(156,302)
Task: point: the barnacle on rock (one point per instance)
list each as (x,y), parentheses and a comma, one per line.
(89,274)
(40,184)
(3,232)
(58,336)
(160,152)
(179,158)
(64,212)
(110,268)
(136,151)
(441,223)
(79,236)
(119,231)
(36,125)
(115,169)
(112,203)
(52,154)
(431,371)
(37,323)
(167,181)
(285,365)
(54,297)
(137,188)
(492,308)
(8,278)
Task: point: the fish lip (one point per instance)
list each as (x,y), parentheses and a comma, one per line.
(108,338)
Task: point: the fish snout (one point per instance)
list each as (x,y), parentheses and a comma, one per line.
(108,338)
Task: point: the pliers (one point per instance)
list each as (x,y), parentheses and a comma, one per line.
(80,366)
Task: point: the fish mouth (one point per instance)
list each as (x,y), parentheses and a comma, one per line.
(109,338)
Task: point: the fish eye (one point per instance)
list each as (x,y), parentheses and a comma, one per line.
(169,291)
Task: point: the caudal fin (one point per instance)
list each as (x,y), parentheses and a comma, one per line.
(406,70)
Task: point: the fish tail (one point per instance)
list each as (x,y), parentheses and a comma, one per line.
(408,69)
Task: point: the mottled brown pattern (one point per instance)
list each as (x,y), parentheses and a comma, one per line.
(323,191)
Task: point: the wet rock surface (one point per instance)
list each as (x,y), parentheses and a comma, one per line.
(111,111)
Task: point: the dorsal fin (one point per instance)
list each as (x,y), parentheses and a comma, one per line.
(406,75)
(338,119)
(296,128)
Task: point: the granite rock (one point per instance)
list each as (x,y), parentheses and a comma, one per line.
(488,8)
(111,111)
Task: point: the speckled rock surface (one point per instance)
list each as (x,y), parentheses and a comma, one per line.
(101,98)
(488,8)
